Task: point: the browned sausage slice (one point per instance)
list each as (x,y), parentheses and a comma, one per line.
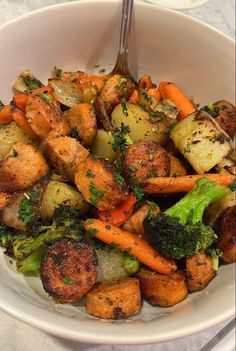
(115,299)
(99,183)
(162,290)
(226,229)
(69,270)
(146,159)
(22,167)
(199,271)
(227,117)
(64,154)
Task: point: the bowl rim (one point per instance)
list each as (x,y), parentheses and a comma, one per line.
(9,303)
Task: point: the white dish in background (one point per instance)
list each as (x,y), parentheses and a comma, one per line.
(78,35)
(178,4)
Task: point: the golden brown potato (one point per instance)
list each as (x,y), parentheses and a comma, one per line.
(22,167)
(115,299)
(114,89)
(146,159)
(162,290)
(99,183)
(177,167)
(228,163)
(225,226)
(44,116)
(82,118)
(135,223)
(227,117)
(199,271)
(69,270)
(64,155)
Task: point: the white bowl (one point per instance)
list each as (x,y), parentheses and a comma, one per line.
(166,45)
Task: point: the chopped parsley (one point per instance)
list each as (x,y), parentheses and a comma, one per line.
(45,97)
(31,83)
(213,110)
(91,232)
(124,107)
(74,134)
(133,168)
(90,174)
(68,281)
(98,194)
(119,179)
(137,192)
(233,186)
(187,149)
(96,65)
(120,138)
(28,206)
(151,174)
(57,71)
(146,97)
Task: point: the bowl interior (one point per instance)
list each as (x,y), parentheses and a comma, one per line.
(166,45)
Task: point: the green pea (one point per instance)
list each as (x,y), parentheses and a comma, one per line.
(131,264)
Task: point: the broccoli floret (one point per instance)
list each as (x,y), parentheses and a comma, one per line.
(215,255)
(66,223)
(7,236)
(29,206)
(180,232)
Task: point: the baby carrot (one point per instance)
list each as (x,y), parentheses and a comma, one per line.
(5,115)
(20,119)
(121,213)
(20,100)
(154,92)
(162,185)
(135,98)
(131,243)
(145,82)
(171,91)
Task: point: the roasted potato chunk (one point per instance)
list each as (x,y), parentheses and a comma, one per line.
(154,126)
(135,223)
(44,116)
(65,92)
(69,270)
(228,163)
(9,135)
(58,193)
(82,118)
(64,155)
(201,141)
(146,159)
(99,183)
(225,226)
(177,168)
(102,147)
(22,167)
(115,299)
(114,89)
(199,271)
(226,117)
(162,290)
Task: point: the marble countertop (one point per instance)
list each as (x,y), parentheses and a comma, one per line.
(17,336)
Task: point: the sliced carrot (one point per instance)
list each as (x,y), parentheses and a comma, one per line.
(135,98)
(5,115)
(145,82)
(120,214)
(131,243)
(163,185)
(154,92)
(171,91)
(20,119)
(20,100)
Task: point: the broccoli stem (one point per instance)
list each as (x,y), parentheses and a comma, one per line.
(191,207)
(32,263)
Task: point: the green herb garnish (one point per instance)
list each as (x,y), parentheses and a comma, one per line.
(57,71)
(45,97)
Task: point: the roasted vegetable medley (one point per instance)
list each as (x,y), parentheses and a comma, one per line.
(116,191)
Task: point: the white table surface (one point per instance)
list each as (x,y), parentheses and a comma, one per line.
(17,336)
